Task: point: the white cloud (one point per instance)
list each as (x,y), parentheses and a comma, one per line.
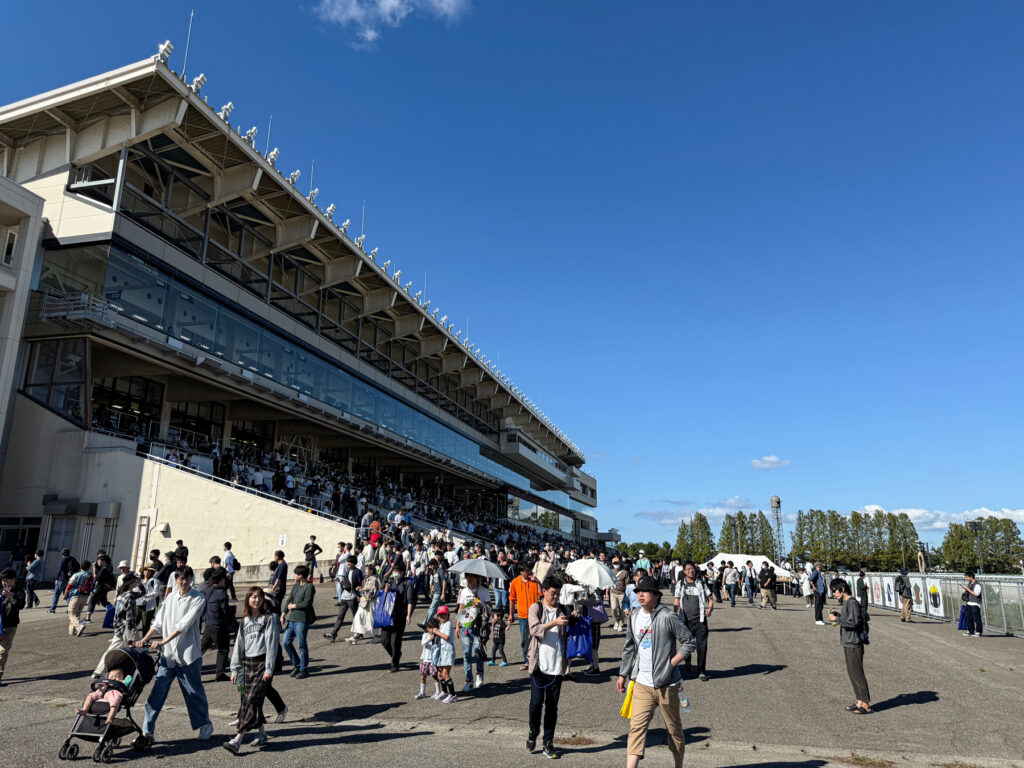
(939,520)
(368,16)
(769,462)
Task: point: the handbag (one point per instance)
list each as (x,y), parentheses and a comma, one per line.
(580,642)
(597,613)
(626,710)
(382,614)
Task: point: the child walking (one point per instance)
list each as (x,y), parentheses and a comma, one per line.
(445,654)
(498,638)
(427,656)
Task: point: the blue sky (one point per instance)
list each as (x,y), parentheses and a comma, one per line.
(698,235)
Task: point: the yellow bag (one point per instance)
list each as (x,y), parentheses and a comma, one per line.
(627,705)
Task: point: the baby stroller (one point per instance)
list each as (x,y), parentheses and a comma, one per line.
(138,668)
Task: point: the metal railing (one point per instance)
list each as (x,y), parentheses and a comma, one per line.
(937,596)
(79,306)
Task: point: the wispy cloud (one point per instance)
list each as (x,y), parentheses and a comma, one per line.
(715,512)
(676,503)
(368,17)
(769,462)
(938,520)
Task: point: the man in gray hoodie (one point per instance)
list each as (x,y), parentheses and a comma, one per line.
(657,641)
(852,631)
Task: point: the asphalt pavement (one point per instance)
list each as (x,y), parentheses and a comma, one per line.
(775,697)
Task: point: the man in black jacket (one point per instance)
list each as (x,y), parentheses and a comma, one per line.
(766,581)
(219,615)
(103,582)
(67,568)
(13,599)
(391,637)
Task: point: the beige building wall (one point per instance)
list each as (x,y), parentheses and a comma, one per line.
(141,504)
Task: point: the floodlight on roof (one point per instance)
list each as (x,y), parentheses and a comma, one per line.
(427,304)
(294,177)
(272,157)
(198,82)
(397,275)
(313,193)
(458,334)
(407,286)
(250,136)
(359,240)
(163,53)
(330,211)
(450,326)
(226,110)
(436,311)
(373,253)
(344,225)
(386,264)
(444,319)
(418,294)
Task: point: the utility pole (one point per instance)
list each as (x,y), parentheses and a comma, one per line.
(975,525)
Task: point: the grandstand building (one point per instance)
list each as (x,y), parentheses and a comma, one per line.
(170,289)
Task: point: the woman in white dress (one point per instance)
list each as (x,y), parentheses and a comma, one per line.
(362,624)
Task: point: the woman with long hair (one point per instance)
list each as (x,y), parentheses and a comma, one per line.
(253,660)
(362,624)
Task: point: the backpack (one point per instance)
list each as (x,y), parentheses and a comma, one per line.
(71,567)
(85,588)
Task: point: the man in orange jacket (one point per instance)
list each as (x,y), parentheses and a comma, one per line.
(523,592)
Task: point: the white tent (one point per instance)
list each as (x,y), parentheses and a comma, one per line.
(740,561)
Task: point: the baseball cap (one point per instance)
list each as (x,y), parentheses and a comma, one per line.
(641,552)
(648,584)
(123,564)
(442,609)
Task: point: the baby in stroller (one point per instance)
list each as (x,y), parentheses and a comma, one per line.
(108,693)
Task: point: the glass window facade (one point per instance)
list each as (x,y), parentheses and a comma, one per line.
(143,293)
(525,511)
(55,376)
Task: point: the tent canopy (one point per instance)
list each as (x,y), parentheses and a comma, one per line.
(740,561)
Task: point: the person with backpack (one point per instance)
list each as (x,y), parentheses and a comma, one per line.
(349,578)
(296,619)
(66,568)
(231,566)
(906,595)
(852,634)
(401,613)
(77,593)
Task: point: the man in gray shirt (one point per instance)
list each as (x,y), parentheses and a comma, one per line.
(731,578)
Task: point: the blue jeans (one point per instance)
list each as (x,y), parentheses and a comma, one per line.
(471,649)
(435,603)
(750,590)
(58,590)
(191,683)
(30,593)
(500,600)
(524,636)
(731,589)
(297,631)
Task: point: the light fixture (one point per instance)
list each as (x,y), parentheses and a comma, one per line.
(436,311)
(163,53)
(226,110)
(344,225)
(359,240)
(330,211)
(250,136)
(313,193)
(272,157)
(458,334)
(418,294)
(407,286)
(373,253)
(198,82)
(427,304)
(397,275)
(444,319)
(386,264)
(294,176)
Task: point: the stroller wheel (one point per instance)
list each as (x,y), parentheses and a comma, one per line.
(108,753)
(97,755)
(63,754)
(72,752)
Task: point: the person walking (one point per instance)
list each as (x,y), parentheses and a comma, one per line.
(129,589)
(278,580)
(731,578)
(548,663)
(617,592)
(657,641)
(103,582)
(77,593)
(296,620)
(253,661)
(766,582)
(971,593)
(33,576)
(523,592)
(218,615)
(472,645)
(852,626)
(401,615)
(177,623)
(862,590)
(13,600)
(750,580)
(903,589)
(817,582)
(695,603)
(362,624)
(230,566)
(348,578)
(66,568)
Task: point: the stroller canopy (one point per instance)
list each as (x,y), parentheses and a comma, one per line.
(134,661)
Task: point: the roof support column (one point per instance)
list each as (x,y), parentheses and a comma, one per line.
(122,162)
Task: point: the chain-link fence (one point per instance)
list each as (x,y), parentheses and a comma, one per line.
(937,596)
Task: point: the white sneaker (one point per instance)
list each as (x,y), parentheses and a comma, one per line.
(281,716)
(478,681)
(205,732)
(967,634)
(233,723)
(820,623)
(260,740)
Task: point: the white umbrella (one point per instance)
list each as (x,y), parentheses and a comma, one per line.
(480,566)
(590,572)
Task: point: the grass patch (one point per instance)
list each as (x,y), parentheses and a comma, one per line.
(574,741)
(864,762)
(956,764)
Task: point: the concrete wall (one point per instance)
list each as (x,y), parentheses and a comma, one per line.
(53,456)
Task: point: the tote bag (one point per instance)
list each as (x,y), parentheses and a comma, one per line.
(580,642)
(385,607)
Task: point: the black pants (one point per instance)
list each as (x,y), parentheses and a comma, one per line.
(544,693)
(595,636)
(855,669)
(275,698)
(391,639)
(97,596)
(864,605)
(216,637)
(231,586)
(346,605)
(819,603)
(699,629)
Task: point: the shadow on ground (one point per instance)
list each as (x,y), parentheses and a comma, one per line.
(906,700)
